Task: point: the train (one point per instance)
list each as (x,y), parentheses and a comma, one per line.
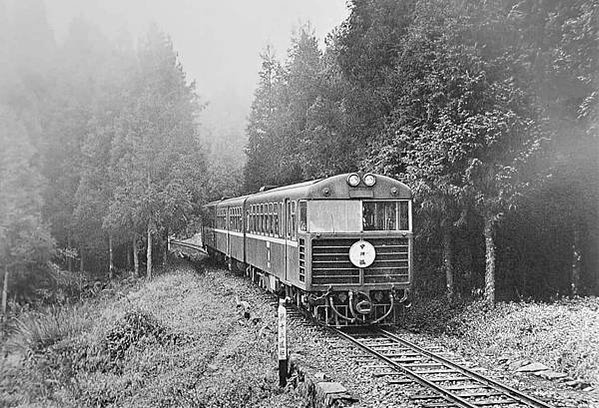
(339,247)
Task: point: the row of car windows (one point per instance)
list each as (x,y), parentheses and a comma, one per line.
(262,219)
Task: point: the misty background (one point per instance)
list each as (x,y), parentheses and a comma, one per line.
(218,43)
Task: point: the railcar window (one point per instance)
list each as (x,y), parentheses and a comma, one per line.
(268,220)
(303,211)
(266,226)
(288,215)
(276,215)
(262,219)
(271,222)
(237,219)
(293,226)
(250,226)
(259,218)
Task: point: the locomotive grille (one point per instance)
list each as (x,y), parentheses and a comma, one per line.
(331,264)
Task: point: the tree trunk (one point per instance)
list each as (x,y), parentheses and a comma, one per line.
(4,292)
(81,259)
(129,260)
(149,253)
(69,253)
(165,247)
(447,263)
(111,258)
(576,263)
(489,232)
(135,257)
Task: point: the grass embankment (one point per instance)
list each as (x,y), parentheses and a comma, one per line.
(562,335)
(175,341)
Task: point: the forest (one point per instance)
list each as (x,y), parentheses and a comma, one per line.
(101,157)
(487,109)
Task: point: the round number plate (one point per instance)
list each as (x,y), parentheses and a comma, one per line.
(362,254)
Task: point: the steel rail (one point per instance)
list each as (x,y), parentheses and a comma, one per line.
(511,392)
(187,245)
(410,373)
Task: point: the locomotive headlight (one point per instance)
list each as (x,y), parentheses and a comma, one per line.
(353,180)
(369,180)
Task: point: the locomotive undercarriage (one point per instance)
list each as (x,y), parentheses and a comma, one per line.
(355,307)
(334,307)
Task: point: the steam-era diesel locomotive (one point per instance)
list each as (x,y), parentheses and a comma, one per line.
(341,247)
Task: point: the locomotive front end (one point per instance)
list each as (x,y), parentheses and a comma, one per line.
(358,241)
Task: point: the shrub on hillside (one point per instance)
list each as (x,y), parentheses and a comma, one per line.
(137,327)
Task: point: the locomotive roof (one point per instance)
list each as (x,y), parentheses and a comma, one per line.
(336,185)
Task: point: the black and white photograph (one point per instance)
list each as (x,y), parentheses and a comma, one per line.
(299,203)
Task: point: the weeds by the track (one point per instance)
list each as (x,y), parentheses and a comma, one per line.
(562,335)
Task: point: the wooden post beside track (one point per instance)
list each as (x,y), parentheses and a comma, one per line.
(282,343)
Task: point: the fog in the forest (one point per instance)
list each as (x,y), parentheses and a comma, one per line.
(218,41)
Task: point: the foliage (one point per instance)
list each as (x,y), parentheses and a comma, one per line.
(136,328)
(25,241)
(487,110)
(99,143)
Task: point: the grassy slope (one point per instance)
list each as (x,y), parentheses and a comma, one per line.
(561,335)
(178,341)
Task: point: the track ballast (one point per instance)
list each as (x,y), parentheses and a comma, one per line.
(445,383)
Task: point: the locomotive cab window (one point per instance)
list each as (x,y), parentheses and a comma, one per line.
(385,215)
(303,216)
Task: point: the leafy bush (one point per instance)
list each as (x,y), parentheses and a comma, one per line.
(433,316)
(136,328)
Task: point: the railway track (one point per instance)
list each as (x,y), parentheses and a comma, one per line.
(440,382)
(443,382)
(183,244)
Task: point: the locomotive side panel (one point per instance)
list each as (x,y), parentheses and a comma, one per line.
(256,251)
(236,246)
(277,259)
(208,225)
(221,241)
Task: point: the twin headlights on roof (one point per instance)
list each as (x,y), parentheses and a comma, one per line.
(354,179)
